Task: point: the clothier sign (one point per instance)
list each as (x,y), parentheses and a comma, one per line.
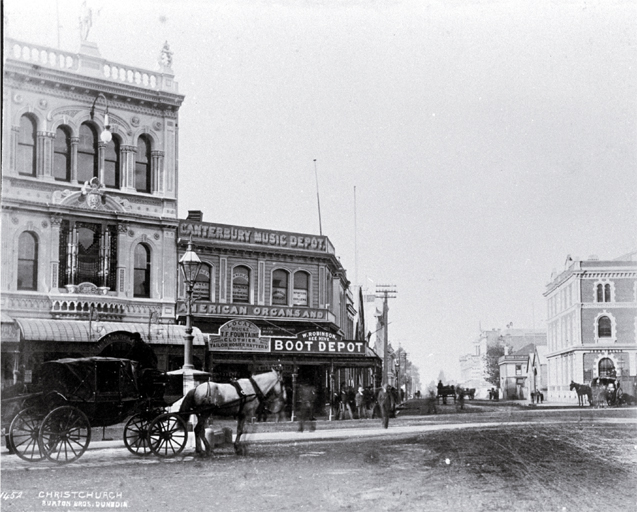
(239,336)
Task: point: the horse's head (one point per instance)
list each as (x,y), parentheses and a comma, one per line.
(572,386)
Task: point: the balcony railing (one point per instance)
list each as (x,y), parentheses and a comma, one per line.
(68,61)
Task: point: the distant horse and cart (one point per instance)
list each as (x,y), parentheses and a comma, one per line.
(602,392)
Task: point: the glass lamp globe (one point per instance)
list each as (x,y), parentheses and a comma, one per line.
(106,136)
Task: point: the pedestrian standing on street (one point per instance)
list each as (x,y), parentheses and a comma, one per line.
(460,401)
(360,402)
(431,403)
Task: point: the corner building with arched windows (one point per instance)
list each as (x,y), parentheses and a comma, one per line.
(89,207)
(265,297)
(592,325)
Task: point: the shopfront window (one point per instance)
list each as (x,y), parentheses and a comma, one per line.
(142,165)
(62,154)
(142,271)
(606,368)
(87,154)
(241,285)
(26,158)
(301,288)
(87,254)
(604,327)
(201,290)
(111,164)
(280,287)
(27,262)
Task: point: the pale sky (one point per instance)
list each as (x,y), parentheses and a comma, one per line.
(486,140)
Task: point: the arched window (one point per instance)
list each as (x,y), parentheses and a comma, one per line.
(142,165)
(301,288)
(27,262)
(280,287)
(241,284)
(62,154)
(26,147)
(604,329)
(141,287)
(201,290)
(606,368)
(600,293)
(88,254)
(87,154)
(111,164)
(606,293)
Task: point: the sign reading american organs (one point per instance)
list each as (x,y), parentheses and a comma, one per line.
(317,342)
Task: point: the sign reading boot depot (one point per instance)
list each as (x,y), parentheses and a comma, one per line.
(244,336)
(317,342)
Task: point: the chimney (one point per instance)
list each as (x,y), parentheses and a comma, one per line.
(196,215)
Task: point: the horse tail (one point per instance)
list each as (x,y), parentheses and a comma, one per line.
(188,401)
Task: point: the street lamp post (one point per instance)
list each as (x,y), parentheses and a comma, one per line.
(397,363)
(190,265)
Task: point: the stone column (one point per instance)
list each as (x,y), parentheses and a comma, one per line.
(157,172)
(122,247)
(75,142)
(101,150)
(127,160)
(44,155)
(13,154)
(56,221)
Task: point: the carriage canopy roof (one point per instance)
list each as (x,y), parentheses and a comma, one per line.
(90,378)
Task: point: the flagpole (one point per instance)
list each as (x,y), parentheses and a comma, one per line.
(318,200)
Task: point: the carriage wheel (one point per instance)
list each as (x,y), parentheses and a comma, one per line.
(64,435)
(137,435)
(23,434)
(168,435)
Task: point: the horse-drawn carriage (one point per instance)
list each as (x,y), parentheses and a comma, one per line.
(606,391)
(73,395)
(445,392)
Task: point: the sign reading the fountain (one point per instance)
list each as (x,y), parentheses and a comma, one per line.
(239,336)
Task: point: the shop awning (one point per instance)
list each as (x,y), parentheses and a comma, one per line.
(35,329)
(10,332)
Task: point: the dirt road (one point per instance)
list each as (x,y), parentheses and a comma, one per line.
(535,466)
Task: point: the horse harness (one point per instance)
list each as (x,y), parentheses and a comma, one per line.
(243,397)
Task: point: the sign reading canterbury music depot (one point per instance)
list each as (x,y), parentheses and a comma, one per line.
(243,235)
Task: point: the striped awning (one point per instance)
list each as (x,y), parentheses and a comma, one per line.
(35,329)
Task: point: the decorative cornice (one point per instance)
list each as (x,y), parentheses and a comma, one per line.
(37,78)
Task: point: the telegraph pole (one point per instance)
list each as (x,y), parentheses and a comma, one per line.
(386,291)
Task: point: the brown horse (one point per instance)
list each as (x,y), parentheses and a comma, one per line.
(240,398)
(582,390)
